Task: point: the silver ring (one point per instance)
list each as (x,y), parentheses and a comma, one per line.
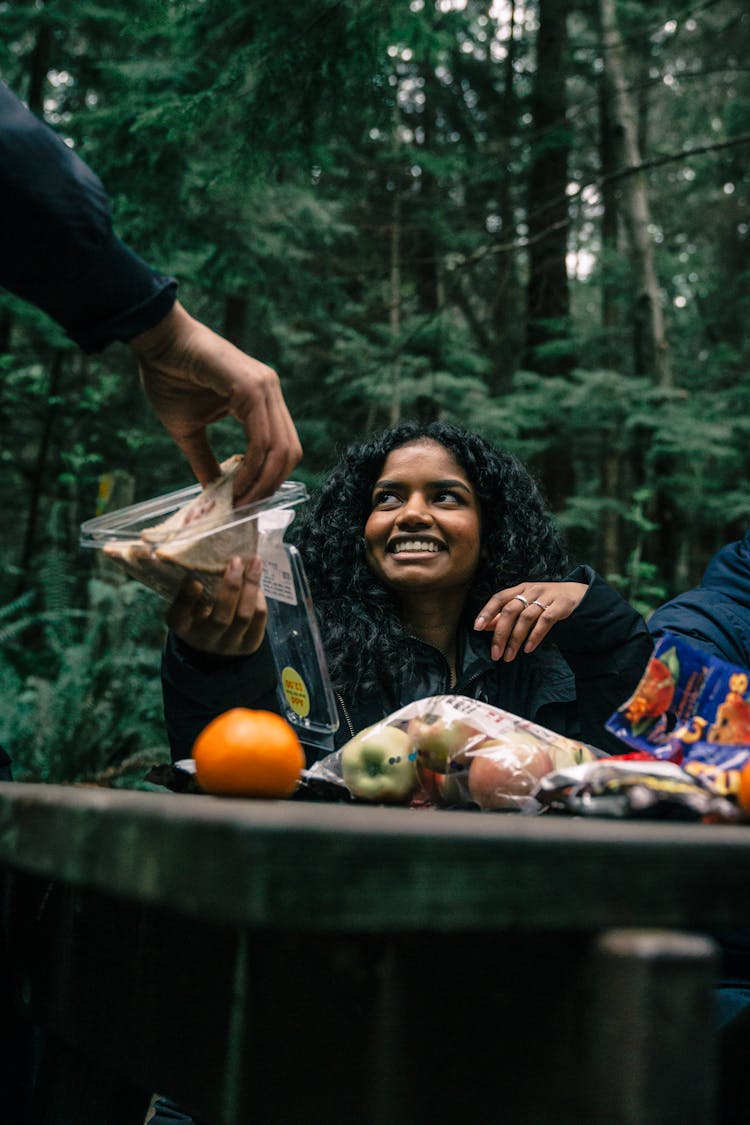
(520,598)
(540,604)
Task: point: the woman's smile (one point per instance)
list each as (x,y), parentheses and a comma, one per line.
(412,545)
(423,532)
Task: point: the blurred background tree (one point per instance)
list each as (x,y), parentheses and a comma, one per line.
(529,216)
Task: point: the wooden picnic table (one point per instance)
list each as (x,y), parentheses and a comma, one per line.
(285,962)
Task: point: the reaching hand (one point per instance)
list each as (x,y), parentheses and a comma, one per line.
(233,623)
(193,377)
(523,615)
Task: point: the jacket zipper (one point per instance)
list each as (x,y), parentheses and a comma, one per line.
(452,672)
(345,712)
(472,680)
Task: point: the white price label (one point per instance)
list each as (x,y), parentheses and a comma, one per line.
(277,580)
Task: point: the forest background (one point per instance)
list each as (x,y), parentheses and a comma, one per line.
(531,217)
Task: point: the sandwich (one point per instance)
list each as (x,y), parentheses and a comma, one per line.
(198,539)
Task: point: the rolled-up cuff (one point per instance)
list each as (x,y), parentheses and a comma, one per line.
(117,298)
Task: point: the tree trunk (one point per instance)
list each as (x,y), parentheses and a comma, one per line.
(612,551)
(426,253)
(38,68)
(505,310)
(394,301)
(39,472)
(609,225)
(547,348)
(611,560)
(648,314)
(547,292)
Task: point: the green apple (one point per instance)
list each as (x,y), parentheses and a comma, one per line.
(378,764)
(439,742)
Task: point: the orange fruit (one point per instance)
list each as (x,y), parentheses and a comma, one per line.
(247,753)
(743,787)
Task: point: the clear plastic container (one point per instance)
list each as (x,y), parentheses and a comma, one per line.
(148,541)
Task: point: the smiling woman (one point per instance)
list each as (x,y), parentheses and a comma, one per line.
(423,532)
(434,567)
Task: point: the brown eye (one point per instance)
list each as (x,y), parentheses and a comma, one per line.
(384,499)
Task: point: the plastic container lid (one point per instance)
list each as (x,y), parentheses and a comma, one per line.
(129,523)
(133,537)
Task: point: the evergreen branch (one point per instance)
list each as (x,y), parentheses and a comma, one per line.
(598,181)
(483,252)
(666,158)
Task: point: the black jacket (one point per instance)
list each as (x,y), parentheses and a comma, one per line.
(571,686)
(58,249)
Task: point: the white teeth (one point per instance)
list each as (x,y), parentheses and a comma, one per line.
(415,545)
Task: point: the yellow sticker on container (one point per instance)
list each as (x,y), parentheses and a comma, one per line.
(295,690)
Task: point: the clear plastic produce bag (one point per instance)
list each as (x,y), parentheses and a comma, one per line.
(451,751)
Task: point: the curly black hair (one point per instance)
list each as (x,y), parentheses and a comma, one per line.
(361,631)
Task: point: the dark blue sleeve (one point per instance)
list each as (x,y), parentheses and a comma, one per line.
(59,251)
(709,620)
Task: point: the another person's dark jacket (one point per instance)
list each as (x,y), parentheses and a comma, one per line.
(58,248)
(571,686)
(714,616)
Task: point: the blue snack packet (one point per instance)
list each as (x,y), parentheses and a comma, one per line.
(690,707)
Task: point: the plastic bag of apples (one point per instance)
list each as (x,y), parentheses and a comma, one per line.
(452,751)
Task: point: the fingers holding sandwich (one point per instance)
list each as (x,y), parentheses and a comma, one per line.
(230,623)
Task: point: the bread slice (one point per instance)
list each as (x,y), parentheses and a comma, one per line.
(140,562)
(210,507)
(189,541)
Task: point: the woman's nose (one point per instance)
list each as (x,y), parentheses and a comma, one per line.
(415,510)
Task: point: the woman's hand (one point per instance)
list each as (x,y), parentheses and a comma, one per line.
(233,622)
(522,615)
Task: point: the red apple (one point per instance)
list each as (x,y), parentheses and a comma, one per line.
(447,789)
(501,776)
(438,742)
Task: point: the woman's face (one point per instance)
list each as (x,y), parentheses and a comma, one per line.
(424,530)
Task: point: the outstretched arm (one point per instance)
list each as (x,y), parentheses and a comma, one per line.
(60,253)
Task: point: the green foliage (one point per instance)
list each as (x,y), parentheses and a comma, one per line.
(343,189)
(92,712)
(12,625)
(641,584)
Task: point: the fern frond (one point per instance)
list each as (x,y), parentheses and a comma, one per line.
(17,605)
